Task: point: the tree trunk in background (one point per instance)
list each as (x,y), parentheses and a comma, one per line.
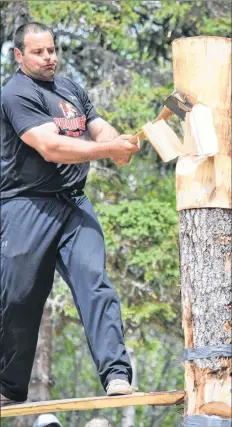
(77,366)
(205,262)
(128,413)
(41,379)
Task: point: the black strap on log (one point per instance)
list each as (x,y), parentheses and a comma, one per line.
(206,421)
(221,350)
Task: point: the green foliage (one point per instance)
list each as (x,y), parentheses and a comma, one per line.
(220,27)
(136,104)
(148,221)
(60,11)
(141,241)
(135,30)
(73,371)
(158,369)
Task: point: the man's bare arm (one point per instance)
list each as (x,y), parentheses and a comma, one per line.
(64,149)
(101,131)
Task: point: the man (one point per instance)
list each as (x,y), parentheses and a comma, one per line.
(50,132)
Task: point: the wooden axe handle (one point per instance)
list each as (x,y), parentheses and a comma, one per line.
(165,114)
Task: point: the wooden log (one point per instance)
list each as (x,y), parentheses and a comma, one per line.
(202,68)
(135,399)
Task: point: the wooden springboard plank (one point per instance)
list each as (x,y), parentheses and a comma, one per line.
(135,399)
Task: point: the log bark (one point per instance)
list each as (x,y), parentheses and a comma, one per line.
(205,264)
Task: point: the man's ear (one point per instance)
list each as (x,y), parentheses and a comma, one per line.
(18,55)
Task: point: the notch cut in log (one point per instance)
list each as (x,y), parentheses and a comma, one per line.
(165,114)
(135,399)
(200,138)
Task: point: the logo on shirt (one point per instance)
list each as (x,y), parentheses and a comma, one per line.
(70,124)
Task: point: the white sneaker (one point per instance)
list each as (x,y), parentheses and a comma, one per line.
(118,386)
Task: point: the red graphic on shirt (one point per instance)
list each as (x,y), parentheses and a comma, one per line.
(68,110)
(70,124)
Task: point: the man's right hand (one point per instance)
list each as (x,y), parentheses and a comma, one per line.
(121,149)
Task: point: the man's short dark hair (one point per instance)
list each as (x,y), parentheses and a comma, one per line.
(31,27)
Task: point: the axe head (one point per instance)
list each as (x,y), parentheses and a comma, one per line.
(179,103)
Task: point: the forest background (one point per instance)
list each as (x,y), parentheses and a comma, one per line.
(120,52)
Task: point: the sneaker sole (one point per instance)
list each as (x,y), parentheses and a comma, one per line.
(119,391)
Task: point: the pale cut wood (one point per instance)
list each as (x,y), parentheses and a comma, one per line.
(164,140)
(165,114)
(202,139)
(202,68)
(208,185)
(135,399)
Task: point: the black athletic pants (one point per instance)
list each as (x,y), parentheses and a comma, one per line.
(39,235)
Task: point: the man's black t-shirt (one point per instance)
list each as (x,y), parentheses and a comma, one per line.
(27,103)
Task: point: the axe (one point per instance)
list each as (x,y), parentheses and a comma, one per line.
(201,138)
(178,103)
(159,134)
